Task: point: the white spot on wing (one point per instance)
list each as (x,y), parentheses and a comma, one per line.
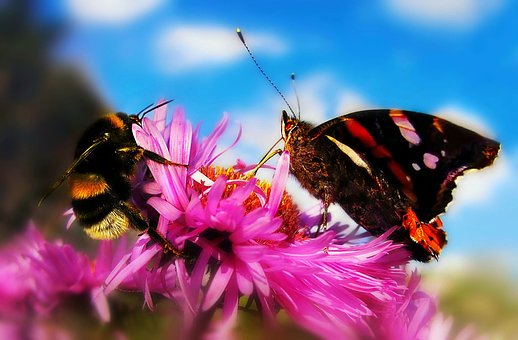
(416,166)
(353,155)
(406,128)
(430,160)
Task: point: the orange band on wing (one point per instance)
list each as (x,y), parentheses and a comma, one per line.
(84,186)
(428,235)
(438,124)
(379,151)
(358,131)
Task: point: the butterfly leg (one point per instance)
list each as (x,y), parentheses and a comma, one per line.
(428,235)
(327,203)
(139,223)
(265,159)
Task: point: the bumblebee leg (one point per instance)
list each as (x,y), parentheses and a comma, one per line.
(159,159)
(139,151)
(139,223)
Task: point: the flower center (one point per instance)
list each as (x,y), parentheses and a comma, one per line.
(288,210)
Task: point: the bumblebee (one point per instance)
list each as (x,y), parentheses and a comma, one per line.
(105,161)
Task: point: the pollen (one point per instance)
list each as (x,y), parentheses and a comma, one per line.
(288,210)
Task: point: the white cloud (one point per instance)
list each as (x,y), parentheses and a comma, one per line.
(457,14)
(479,187)
(321,98)
(465,118)
(350,101)
(183,48)
(110,11)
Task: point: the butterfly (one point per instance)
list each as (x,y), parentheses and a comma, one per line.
(387,168)
(384,167)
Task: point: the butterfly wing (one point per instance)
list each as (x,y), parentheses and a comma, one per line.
(420,154)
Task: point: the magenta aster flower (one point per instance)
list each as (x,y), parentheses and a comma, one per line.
(244,238)
(245,244)
(36,275)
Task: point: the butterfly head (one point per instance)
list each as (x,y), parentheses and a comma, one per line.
(288,126)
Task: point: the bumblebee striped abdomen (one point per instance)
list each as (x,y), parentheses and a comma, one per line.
(95,205)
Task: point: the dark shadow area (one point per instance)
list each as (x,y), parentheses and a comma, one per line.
(45,105)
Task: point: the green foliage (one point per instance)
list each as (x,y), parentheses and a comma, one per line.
(484,298)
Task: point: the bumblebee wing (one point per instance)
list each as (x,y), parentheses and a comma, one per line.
(71,168)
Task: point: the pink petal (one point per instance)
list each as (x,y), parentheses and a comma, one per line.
(229,315)
(172,185)
(241,193)
(130,268)
(209,144)
(215,194)
(257,224)
(180,139)
(100,303)
(159,116)
(165,208)
(279,183)
(218,284)
(197,275)
(147,295)
(228,147)
(104,258)
(183,282)
(259,277)
(157,142)
(244,279)
(71,219)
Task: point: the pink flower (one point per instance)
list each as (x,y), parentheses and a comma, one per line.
(38,274)
(237,249)
(410,317)
(243,241)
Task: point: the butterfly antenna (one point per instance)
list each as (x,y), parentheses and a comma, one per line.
(150,108)
(294,86)
(240,35)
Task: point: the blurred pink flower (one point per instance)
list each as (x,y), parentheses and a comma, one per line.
(36,275)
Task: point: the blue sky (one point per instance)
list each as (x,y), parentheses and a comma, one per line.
(458,59)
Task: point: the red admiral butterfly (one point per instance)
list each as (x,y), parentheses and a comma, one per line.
(387,168)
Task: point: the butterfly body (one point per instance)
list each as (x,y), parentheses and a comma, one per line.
(323,171)
(387,168)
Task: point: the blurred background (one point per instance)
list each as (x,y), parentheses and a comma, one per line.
(64,63)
